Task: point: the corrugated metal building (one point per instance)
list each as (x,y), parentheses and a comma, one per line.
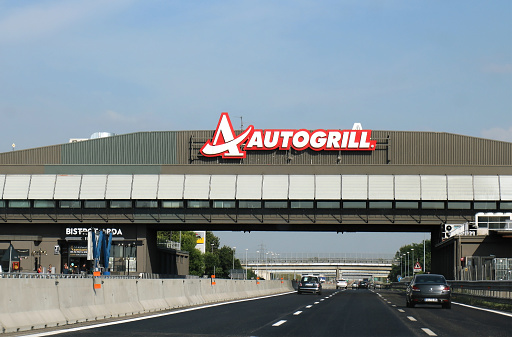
(182,148)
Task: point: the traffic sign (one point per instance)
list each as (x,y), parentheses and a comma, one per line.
(417,267)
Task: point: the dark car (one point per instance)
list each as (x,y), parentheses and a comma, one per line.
(428,289)
(309,284)
(362,285)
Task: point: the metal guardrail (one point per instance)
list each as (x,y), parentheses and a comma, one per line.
(483,289)
(491,289)
(83,275)
(62,276)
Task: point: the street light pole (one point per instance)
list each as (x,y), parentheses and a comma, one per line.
(424,267)
(246,249)
(407,264)
(258,263)
(233,269)
(412,249)
(401,272)
(212,260)
(266,266)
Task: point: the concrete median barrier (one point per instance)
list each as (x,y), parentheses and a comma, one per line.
(34,303)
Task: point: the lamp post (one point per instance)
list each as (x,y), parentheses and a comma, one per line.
(266,265)
(404,255)
(212,259)
(128,251)
(258,263)
(412,249)
(246,249)
(407,265)
(233,269)
(401,266)
(271,264)
(424,267)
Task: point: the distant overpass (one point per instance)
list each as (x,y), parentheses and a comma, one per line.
(331,265)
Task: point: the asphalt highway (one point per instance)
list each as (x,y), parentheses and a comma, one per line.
(334,313)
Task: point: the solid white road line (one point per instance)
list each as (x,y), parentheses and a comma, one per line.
(297,313)
(483,309)
(428,331)
(58,332)
(279,323)
(411,318)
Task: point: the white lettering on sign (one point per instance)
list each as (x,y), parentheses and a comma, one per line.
(83,231)
(225,143)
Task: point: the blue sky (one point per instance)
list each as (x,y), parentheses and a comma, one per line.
(70,69)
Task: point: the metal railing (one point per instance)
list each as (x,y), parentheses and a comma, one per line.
(169,245)
(489,289)
(63,276)
(494,291)
(308,258)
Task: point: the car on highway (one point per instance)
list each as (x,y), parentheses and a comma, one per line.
(428,289)
(354,285)
(341,284)
(309,284)
(362,285)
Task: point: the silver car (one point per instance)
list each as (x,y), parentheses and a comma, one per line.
(309,284)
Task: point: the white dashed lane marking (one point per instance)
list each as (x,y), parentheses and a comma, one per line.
(279,323)
(411,318)
(316,302)
(309,306)
(297,313)
(401,310)
(428,331)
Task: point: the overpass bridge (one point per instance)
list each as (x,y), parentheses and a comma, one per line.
(135,185)
(330,265)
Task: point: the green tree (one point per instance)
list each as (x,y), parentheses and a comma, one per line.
(404,266)
(163,236)
(196,262)
(211,262)
(226,255)
(211,240)
(251,274)
(188,239)
(188,243)
(211,256)
(218,259)
(215,260)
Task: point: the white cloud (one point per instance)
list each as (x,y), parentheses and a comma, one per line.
(498,134)
(29,22)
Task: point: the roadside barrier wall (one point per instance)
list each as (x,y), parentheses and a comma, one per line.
(27,304)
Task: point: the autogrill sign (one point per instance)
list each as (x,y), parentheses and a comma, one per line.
(227,144)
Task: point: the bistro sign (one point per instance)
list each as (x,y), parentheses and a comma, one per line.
(75,231)
(227,144)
